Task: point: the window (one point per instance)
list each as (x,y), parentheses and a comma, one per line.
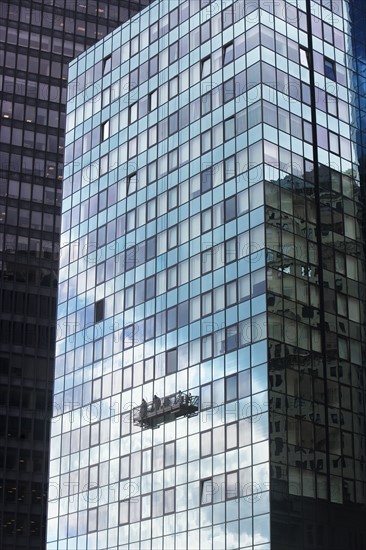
(92,520)
(172,237)
(231,435)
(134,79)
(329,68)
(154,32)
(307,131)
(151,252)
(132,147)
(173,198)
(328,32)
(206,299)
(230,209)
(229,90)
(173,52)
(154,65)
(134,45)
(228,53)
(94,434)
(173,18)
(206,261)
(169,501)
(206,141)
(205,67)
(133,112)
(172,324)
(173,123)
(99,311)
(229,128)
(97,389)
(131,184)
(205,104)
(183,314)
(153,100)
(230,168)
(206,397)
(205,31)
(149,369)
(169,455)
(206,347)
(123,512)
(173,87)
(105,130)
(149,328)
(206,220)
(232,485)
(172,282)
(334,143)
(206,443)
(304,57)
(107,65)
(152,140)
(171,360)
(206,180)
(227,17)
(106,98)
(332,107)
(206,491)
(231,294)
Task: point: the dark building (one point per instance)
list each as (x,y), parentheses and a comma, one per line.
(37,41)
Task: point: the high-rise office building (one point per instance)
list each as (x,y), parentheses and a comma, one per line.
(213,248)
(38,39)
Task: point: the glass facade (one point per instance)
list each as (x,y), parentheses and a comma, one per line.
(212,245)
(38,39)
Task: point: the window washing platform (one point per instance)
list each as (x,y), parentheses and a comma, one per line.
(165,409)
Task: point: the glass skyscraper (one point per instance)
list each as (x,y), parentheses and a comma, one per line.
(213,247)
(38,39)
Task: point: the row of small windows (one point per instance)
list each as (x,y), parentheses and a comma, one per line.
(180,274)
(223,56)
(211,218)
(207,347)
(33,219)
(50,19)
(37,65)
(17,427)
(21,459)
(31,114)
(211,138)
(198,108)
(210,177)
(149,103)
(27,304)
(220,213)
(233,50)
(219,22)
(31,139)
(27,334)
(233,485)
(152,368)
(210,442)
(212,301)
(214,257)
(36,41)
(210,101)
(210,346)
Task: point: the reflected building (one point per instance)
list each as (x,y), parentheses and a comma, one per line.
(213,246)
(38,39)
